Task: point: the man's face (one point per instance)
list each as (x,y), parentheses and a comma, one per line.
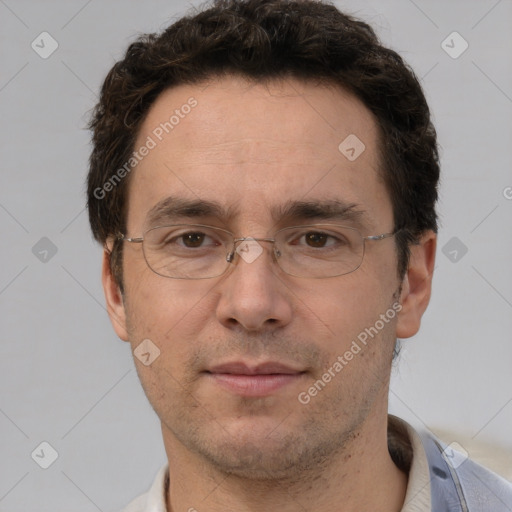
(253,150)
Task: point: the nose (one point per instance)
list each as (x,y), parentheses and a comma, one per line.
(252,294)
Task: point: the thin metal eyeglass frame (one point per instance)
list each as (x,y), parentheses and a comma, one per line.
(230,256)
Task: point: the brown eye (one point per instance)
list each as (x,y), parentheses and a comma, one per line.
(315,239)
(193,239)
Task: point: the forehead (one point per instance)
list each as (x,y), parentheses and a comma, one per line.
(253,147)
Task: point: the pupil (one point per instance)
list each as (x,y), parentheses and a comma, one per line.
(193,239)
(316,239)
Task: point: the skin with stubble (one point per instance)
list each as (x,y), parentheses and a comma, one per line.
(254,149)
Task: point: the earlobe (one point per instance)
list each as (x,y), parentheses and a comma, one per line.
(417,285)
(114,299)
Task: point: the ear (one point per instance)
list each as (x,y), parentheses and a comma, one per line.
(114,298)
(417,285)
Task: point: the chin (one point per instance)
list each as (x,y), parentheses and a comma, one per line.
(256,462)
(260,454)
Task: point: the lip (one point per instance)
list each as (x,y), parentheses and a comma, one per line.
(242,368)
(254,380)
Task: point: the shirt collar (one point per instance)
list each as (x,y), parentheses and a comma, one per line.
(406,449)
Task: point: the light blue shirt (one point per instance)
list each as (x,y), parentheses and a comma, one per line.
(440,480)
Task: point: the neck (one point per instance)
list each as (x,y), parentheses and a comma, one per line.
(362,477)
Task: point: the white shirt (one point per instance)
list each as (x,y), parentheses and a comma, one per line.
(417,498)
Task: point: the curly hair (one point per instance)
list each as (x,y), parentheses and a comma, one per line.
(264,40)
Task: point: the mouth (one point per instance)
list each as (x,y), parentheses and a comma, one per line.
(249,380)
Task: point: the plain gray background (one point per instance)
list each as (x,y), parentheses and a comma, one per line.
(64,376)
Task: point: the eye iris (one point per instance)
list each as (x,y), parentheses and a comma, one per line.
(316,239)
(193,239)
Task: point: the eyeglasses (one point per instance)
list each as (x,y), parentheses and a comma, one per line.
(196,251)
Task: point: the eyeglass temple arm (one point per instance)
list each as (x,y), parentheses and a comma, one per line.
(378,237)
(384,235)
(123,238)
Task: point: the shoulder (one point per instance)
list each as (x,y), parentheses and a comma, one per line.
(154,499)
(454,476)
(484,490)
(138,504)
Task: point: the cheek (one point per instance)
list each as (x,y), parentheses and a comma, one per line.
(341,306)
(354,321)
(169,312)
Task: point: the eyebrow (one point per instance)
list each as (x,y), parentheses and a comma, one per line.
(330,209)
(174,208)
(177,209)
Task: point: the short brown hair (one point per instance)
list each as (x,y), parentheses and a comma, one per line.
(263,40)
